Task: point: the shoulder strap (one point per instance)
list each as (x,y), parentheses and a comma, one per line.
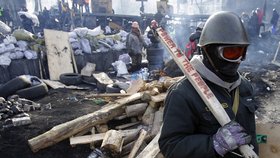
(236,101)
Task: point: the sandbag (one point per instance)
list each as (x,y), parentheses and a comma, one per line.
(4,28)
(21,34)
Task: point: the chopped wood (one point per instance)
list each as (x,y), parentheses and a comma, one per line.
(158,98)
(135,109)
(138,143)
(158,120)
(127,148)
(112,142)
(148,116)
(70,128)
(124,126)
(152,149)
(129,137)
(155,91)
(86,139)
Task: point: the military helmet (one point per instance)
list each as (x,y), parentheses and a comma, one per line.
(223,28)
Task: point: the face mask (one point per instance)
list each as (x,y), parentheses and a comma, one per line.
(227,68)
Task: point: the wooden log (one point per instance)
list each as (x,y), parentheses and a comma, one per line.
(138,143)
(112,143)
(158,120)
(155,91)
(68,129)
(86,139)
(129,137)
(127,148)
(124,126)
(151,150)
(148,116)
(135,109)
(158,98)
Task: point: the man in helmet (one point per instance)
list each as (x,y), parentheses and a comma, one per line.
(191,47)
(152,34)
(134,45)
(190,130)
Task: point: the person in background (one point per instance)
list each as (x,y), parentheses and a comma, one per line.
(260,15)
(1,14)
(86,3)
(27,23)
(75,5)
(134,45)
(193,41)
(152,34)
(274,21)
(189,129)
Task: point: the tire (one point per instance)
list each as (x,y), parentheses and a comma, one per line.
(70,78)
(111,89)
(14,85)
(33,92)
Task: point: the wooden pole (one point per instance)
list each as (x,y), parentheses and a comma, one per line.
(138,143)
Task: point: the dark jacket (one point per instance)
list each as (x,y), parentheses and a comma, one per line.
(189,125)
(152,35)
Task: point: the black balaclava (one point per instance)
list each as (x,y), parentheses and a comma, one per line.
(225,70)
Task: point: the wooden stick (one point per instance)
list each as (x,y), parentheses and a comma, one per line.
(138,143)
(151,150)
(200,86)
(68,129)
(135,109)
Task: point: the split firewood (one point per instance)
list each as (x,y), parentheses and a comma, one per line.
(148,116)
(152,149)
(129,137)
(158,98)
(135,109)
(127,148)
(102,128)
(112,143)
(155,91)
(86,139)
(70,128)
(158,120)
(138,143)
(124,126)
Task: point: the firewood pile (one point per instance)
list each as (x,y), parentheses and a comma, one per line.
(136,138)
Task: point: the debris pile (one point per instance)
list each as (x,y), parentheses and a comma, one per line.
(128,126)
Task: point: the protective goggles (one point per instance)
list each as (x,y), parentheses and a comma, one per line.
(232,53)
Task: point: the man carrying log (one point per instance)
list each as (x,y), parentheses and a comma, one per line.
(190,130)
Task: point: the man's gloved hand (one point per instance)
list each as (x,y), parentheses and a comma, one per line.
(230,137)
